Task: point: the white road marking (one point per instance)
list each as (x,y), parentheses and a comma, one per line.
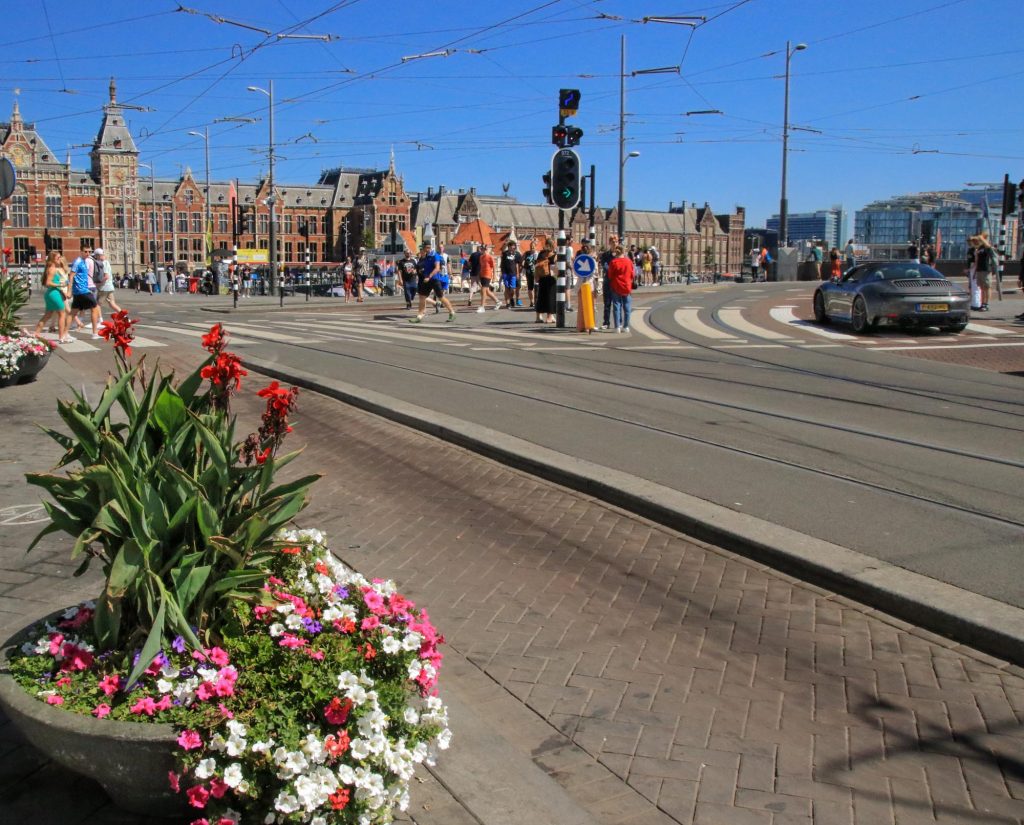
(638,321)
(985,329)
(785,315)
(139,341)
(79,345)
(956,346)
(661,346)
(196,333)
(733,317)
(689,320)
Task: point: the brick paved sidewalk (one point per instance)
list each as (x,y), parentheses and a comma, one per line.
(657,679)
(669,681)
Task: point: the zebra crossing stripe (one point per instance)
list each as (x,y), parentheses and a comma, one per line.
(785,315)
(638,322)
(688,318)
(733,317)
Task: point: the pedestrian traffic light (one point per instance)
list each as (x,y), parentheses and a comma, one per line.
(565,179)
(547,187)
(572,136)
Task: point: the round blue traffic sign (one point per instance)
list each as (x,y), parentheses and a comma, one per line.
(584,266)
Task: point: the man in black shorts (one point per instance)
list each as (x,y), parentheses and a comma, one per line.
(430,283)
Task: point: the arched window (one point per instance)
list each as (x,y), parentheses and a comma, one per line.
(54,209)
(19,208)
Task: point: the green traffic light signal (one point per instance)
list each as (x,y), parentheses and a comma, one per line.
(565,174)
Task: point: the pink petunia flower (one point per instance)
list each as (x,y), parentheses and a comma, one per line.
(292,641)
(190,740)
(370,623)
(174,781)
(55,700)
(374,600)
(101,710)
(110,684)
(56,640)
(203,821)
(145,705)
(198,796)
(217,656)
(337,711)
(64,681)
(224,711)
(205,691)
(218,787)
(164,703)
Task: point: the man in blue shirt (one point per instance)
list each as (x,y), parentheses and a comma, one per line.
(431,283)
(83,289)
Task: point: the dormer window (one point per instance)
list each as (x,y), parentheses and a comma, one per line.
(188,197)
(117,143)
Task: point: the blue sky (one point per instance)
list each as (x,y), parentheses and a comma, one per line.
(907,95)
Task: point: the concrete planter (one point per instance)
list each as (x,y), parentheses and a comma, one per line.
(130,761)
(28,368)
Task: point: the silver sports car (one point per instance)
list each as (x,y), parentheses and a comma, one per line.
(892,293)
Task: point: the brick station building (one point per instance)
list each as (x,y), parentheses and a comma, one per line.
(138,217)
(712,243)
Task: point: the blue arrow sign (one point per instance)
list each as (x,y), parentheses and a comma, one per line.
(584,266)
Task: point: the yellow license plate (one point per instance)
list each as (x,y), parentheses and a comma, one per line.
(934,307)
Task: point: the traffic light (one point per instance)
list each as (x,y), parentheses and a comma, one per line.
(559,134)
(547,187)
(572,136)
(1020,196)
(565,179)
(568,102)
(1009,196)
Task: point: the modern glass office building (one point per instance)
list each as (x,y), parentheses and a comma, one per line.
(825,225)
(946,218)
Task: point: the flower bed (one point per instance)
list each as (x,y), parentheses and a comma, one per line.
(301,692)
(315,708)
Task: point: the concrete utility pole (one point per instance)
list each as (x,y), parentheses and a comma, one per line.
(207,252)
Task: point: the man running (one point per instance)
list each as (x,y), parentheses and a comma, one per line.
(431,283)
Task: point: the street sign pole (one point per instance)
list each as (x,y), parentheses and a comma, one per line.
(560,306)
(7,181)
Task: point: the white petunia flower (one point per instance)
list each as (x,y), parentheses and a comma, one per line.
(412,642)
(286,803)
(391,645)
(233,775)
(206,768)
(294,622)
(410,716)
(347,680)
(276,629)
(359,748)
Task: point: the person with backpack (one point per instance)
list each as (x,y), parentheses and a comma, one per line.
(530,272)
(83,290)
(104,280)
(474,275)
(408,278)
(986,265)
(431,282)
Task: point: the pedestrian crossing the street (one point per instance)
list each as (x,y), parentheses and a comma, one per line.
(733,327)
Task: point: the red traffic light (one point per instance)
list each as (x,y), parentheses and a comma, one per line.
(559,134)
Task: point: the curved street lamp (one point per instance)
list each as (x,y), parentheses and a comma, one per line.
(783,202)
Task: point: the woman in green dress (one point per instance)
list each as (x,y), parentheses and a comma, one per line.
(55,292)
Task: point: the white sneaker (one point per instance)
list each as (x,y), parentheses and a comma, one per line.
(625,329)
(97,337)
(604,326)
(481,310)
(497,307)
(618,329)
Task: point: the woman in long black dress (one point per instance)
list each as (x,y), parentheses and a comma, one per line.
(545,284)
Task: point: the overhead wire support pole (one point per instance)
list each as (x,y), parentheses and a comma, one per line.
(622,139)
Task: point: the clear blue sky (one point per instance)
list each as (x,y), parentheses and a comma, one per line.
(482,115)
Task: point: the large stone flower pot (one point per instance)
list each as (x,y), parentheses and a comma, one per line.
(130,761)
(31,366)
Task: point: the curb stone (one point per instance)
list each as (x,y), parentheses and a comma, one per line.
(969,618)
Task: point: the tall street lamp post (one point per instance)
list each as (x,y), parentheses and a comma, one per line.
(783,202)
(205,135)
(154,219)
(272,199)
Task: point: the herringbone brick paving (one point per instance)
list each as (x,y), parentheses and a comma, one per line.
(658,680)
(717,689)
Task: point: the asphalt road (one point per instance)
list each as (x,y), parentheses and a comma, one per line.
(915,461)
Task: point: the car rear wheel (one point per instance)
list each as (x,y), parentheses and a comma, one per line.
(956,329)
(819,308)
(859,316)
